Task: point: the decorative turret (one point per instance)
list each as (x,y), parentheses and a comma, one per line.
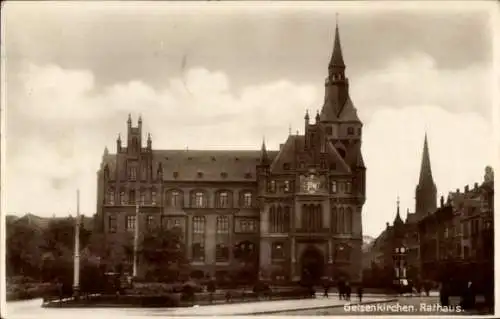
(398,220)
(149,142)
(306,118)
(264,158)
(119,144)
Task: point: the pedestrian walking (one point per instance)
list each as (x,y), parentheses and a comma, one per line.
(326,288)
(348,292)
(444,297)
(360,293)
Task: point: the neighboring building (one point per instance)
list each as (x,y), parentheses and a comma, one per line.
(457,240)
(397,249)
(299,207)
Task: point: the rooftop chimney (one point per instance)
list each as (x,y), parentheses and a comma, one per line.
(442,201)
(476,185)
(466,188)
(458,190)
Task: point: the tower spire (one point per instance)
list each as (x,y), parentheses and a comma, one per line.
(337,60)
(426,192)
(425,167)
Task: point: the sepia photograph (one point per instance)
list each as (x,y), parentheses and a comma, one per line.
(242,158)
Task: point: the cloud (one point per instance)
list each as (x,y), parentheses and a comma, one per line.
(414,80)
(71,119)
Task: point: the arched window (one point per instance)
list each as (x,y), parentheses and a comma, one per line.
(334,187)
(278,251)
(198,199)
(272,186)
(223,199)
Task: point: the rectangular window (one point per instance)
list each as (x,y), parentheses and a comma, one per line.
(133,173)
(153,198)
(348,188)
(123,200)
(222,246)
(130,222)
(334,186)
(350,130)
(143,199)
(131,197)
(247,225)
(286,186)
(272,186)
(150,222)
(110,197)
(247,200)
(112,224)
(198,246)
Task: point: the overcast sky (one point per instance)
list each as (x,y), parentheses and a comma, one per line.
(216,75)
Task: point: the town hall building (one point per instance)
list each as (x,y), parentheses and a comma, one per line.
(297,210)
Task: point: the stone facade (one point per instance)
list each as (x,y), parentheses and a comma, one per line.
(457,239)
(298,207)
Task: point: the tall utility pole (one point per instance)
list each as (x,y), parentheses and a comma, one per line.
(76,267)
(136,239)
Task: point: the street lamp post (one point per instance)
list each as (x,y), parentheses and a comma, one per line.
(76,261)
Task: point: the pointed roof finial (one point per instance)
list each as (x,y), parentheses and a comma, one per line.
(398,219)
(337,59)
(289,129)
(140,119)
(119,137)
(106,151)
(129,118)
(306,117)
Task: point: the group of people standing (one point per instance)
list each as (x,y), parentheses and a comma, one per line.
(344,290)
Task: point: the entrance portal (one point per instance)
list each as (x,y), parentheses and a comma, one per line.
(313,264)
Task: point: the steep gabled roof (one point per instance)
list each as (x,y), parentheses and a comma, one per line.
(348,112)
(213,165)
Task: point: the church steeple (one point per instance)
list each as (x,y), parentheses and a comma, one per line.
(425,167)
(426,192)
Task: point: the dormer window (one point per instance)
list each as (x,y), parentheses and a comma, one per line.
(333,166)
(175,174)
(190,158)
(286,186)
(286,166)
(223,175)
(350,130)
(200,174)
(248,175)
(213,158)
(302,165)
(236,158)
